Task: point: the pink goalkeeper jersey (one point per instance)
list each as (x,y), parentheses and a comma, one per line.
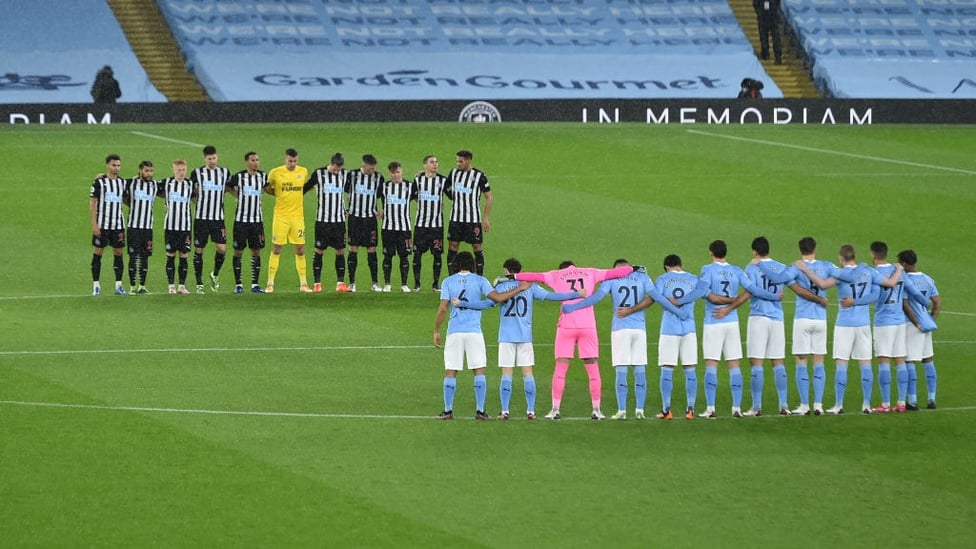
(572,279)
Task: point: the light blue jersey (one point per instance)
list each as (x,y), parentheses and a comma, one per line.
(467,287)
(925,286)
(804,307)
(515,324)
(721,279)
(760,305)
(856,282)
(627,292)
(677,284)
(888,310)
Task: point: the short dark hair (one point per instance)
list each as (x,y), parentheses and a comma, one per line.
(847,252)
(719,249)
(907,257)
(337,159)
(463,261)
(672,260)
(513,265)
(247,155)
(621,261)
(465,153)
(566,264)
(807,245)
(760,245)
(428,157)
(369,160)
(145,164)
(879,249)
(392,166)
(209,150)
(112,157)
(291,153)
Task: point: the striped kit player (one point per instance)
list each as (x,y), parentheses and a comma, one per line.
(363,186)
(210,183)
(428,190)
(396,197)
(140,195)
(466,186)
(108,227)
(247,186)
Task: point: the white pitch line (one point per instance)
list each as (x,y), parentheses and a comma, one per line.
(830,151)
(312,415)
(161,138)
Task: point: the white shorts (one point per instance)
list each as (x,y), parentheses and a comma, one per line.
(628,347)
(918,344)
(516,354)
(852,343)
(720,340)
(670,348)
(765,338)
(809,337)
(889,341)
(459,345)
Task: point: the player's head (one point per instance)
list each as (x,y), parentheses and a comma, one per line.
(252,160)
(718,249)
(566,264)
(512,266)
(760,245)
(807,245)
(291,159)
(396,170)
(464,157)
(113,164)
(210,156)
(879,250)
(369,163)
(620,262)
(430,163)
(463,261)
(671,261)
(179,168)
(907,258)
(146,170)
(847,254)
(336,162)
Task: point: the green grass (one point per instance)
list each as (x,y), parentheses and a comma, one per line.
(105,438)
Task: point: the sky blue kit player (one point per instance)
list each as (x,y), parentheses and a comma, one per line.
(678,341)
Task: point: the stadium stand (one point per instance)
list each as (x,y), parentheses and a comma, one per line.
(51,50)
(254,50)
(891,49)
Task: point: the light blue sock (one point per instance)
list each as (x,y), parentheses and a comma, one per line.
(735,384)
(480,391)
(691,386)
(803,384)
(505,390)
(912,383)
(450,383)
(840,384)
(667,383)
(884,381)
(819,382)
(779,379)
(640,385)
(621,384)
(529,382)
(756,382)
(711,385)
(867,385)
(901,375)
(930,378)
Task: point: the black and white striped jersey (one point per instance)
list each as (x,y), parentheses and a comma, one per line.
(178,195)
(249,189)
(108,192)
(330,187)
(140,194)
(396,206)
(429,194)
(210,185)
(465,189)
(363,190)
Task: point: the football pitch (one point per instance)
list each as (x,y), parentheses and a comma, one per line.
(308,419)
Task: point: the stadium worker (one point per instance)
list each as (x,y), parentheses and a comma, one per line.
(140,195)
(210,182)
(576,330)
(428,190)
(396,233)
(287,183)
(247,186)
(466,186)
(108,226)
(918,336)
(809,323)
(465,340)
(178,193)
(363,186)
(330,220)
(628,330)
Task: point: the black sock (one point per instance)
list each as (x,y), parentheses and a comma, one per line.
(218,262)
(374,266)
(198,266)
(183,270)
(340,268)
(387,268)
(143,270)
(96,267)
(353,263)
(119,267)
(451,254)
(170,268)
(133,268)
(317,267)
(255,269)
(417,267)
(236,263)
(438,266)
(479,262)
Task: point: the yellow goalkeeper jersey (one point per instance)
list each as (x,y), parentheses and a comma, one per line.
(287,186)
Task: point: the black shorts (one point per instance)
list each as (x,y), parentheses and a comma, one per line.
(428,238)
(396,242)
(330,235)
(110,237)
(362,231)
(248,235)
(206,230)
(177,241)
(464,232)
(140,241)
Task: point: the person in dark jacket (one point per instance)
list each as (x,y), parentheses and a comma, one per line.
(768,13)
(105,89)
